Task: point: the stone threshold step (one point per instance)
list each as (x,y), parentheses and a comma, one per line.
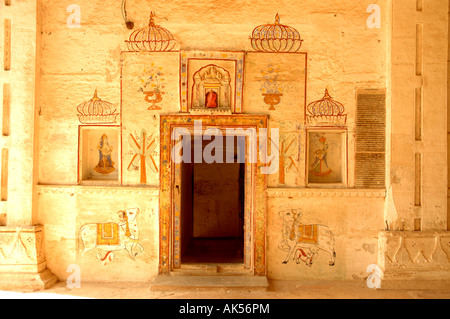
(166,282)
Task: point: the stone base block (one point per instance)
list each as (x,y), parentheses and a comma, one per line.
(27,281)
(415,260)
(22,259)
(167,282)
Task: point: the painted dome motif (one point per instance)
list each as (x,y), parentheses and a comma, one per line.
(326,111)
(276,38)
(97,111)
(153,38)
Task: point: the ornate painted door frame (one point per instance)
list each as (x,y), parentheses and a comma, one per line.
(255,190)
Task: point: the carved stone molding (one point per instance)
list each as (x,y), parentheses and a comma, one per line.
(414,260)
(415,250)
(315,192)
(21,246)
(101,190)
(22,259)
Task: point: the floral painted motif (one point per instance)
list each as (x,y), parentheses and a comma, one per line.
(270,76)
(153,86)
(270,87)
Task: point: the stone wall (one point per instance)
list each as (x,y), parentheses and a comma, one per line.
(342,55)
(63,65)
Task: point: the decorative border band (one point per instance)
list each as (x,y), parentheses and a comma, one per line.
(322,192)
(104,190)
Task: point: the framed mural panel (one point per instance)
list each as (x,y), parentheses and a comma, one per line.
(211,81)
(326,157)
(99,152)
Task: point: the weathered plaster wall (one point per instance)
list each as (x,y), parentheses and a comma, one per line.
(342,55)
(354,217)
(65,210)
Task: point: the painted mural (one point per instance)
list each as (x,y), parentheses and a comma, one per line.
(105,164)
(286,169)
(320,167)
(152,83)
(326,157)
(288,161)
(211,88)
(225,79)
(97,111)
(303,242)
(99,150)
(112,236)
(276,37)
(143,147)
(270,87)
(152,38)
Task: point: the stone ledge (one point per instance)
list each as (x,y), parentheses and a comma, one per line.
(27,281)
(325,192)
(103,190)
(416,279)
(416,284)
(167,282)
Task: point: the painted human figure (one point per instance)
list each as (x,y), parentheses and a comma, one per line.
(211,99)
(124,223)
(320,166)
(105,164)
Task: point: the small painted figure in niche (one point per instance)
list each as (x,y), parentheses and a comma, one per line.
(211,99)
(320,166)
(105,164)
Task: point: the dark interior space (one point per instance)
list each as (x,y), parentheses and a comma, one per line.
(212,211)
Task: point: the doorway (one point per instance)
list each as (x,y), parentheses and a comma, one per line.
(255,184)
(212,209)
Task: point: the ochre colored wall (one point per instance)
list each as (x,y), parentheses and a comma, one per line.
(340,53)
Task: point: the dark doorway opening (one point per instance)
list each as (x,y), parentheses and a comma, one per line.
(212,210)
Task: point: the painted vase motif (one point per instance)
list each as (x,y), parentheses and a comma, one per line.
(272,99)
(157,98)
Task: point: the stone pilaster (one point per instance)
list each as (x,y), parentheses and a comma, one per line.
(419,114)
(22,258)
(414,253)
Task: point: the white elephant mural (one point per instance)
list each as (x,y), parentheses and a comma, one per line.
(112,237)
(304,242)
